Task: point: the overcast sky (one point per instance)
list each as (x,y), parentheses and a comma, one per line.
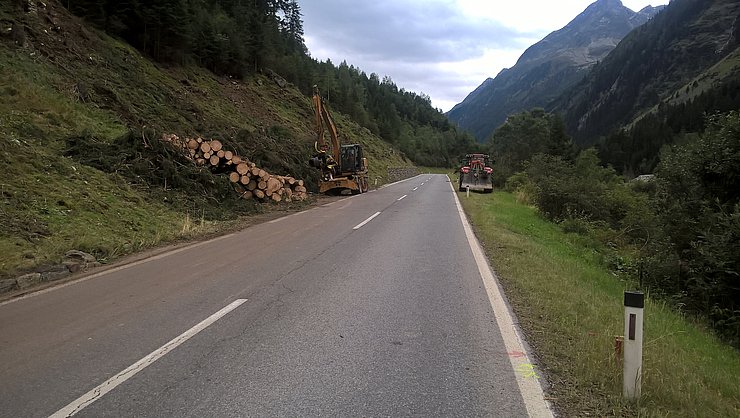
(443,48)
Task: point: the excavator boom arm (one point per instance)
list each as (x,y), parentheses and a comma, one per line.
(324,119)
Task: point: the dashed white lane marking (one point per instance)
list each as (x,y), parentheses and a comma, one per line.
(414,189)
(534,398)
(402,197)
(361,224)
(110,384)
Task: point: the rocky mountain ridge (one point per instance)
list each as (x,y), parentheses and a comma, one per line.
(549,67)
(652,64)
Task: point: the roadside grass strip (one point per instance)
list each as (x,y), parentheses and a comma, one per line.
(570,308)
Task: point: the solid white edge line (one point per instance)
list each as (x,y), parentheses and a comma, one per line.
(274,221)
(402,197)
(531,390)
(110,384)
(116,269)
(361,224)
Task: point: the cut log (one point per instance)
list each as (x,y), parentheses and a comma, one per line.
(199,140)
(262,173)
(273,185)
(259,194)
(236,159)
(246,194)
(205,147)
(245,180)
(234,177)
(207,155)
(221,153)
(216,145)
(252,184)
(242,168)
(300,182)
(215,160)
(262,185)
(255,171)
(228,155)
(300,189)
(200,161)
(276,197)
(192,144)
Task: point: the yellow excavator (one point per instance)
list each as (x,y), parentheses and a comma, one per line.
(343,167)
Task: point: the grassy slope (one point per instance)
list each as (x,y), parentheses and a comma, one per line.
(570,309)
(56,84)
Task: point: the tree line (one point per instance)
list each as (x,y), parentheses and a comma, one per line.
(636,150)
(231,37)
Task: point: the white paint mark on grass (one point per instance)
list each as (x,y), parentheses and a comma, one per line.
(110,384)
(402,197)
(534,398)
(363,223)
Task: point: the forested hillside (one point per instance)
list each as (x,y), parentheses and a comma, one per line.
(238,39)
(653,63)
(664,102)
(82,111)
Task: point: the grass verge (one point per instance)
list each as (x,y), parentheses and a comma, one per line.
(570,308)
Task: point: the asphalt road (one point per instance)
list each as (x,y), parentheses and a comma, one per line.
(338,315)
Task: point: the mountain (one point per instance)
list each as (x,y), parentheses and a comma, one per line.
(660,63)
(549,67)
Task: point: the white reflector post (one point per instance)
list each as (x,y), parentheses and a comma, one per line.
(634,302)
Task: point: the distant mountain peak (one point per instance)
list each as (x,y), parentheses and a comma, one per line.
(548,67)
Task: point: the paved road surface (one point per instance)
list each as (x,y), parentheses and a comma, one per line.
(338,315)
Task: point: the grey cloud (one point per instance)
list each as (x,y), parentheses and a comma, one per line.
(401,30)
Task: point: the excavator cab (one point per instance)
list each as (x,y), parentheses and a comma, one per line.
(352,160)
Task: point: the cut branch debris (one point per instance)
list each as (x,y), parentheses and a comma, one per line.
(248,180)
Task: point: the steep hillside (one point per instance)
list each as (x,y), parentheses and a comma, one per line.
(651,64)
(71,95)
(549,67)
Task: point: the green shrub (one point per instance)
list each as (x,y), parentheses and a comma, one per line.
(516,181)
(698,200)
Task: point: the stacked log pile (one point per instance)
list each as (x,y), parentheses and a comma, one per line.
(248,180)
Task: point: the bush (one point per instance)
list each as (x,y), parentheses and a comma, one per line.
(698,197)
(150,164)
(564,190)
(516,181)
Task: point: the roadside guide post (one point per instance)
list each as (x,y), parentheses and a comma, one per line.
(467,191)
(634,302)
